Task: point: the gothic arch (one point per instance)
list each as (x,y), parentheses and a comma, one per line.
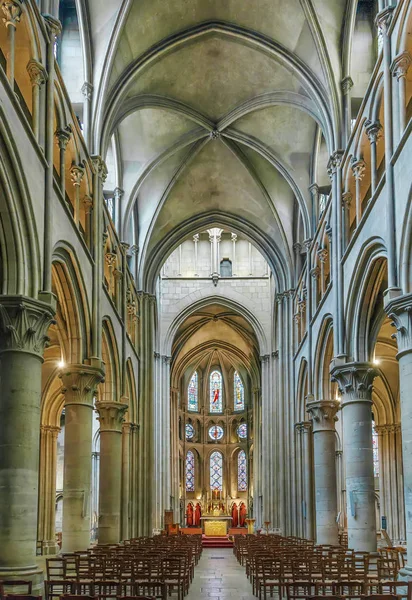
(322,360)
(110,388)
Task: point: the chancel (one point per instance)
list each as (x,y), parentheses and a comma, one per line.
(206,292)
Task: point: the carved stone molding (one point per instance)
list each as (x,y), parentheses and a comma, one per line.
(373,131)
(399,310)
(358,168)
(63,137)
(12,12)
(37,73)
(401,64)
(354,381)
(79,384)
(24,323)
(111,415)
(387,428)
(323,414)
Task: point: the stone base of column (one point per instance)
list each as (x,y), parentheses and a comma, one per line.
(32,573)
(49,547)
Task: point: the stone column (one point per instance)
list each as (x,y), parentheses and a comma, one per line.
(125,512)
(63,137)
(358,169)
(110,480)
(323,255)
(23,327)
(346,86)
(355,384)
(87,90)
(233,237)
(400,68)
(12,14)
(76,176)
(38,77)
(323,414)
(196,242)
(374,133)
(314,190)
(400,311)
(346,202)
(118,194)
(47,484)
(305,429)
(99,177)
(88,207)
(79,387)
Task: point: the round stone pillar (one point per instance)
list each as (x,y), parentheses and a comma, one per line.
(110,480)
(79,387)
(400,311)
(23,326)
(355,385)
(323,415)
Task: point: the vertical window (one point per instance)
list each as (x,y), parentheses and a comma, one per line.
(241,471)
(375,447)
(216,471)
(190,471)
(192,393)
(239,392)
(215,384)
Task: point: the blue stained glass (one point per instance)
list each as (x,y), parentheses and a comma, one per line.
(242,431)
(192,393)
(216,400)
(239,392)
(190,471)
(375,447)
(216,432)
(216,471)
(190,431)
(242,471)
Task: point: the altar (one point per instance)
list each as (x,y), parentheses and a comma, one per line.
(216,526)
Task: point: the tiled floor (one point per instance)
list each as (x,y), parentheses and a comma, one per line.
(219,576)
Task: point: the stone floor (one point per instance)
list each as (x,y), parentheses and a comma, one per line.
(219,576)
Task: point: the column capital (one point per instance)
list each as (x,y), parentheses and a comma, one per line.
(79,384)
(323,254)
(63,137)
(118,193)
(373,130)
(401,64)
(111,259)
(87,89)
(358,168)
(53,430)
(24,323)
(323,414)
(346,200)
(88,204)
(399,310)
(354,381)
(76,174)
(315,272)
(346,85)
(53,25)
(383,19)
(37,72)
(99,166)
(303,427)
(12,12)
(233,237)
(111,415)
(335,162)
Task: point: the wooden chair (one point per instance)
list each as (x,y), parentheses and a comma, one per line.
(136,598)
(77,597)
(297,590)
(15,583)
(55,568)
(58,587)
(173,576)
(23,597)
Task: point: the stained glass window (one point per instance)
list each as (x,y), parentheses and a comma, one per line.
(241,471)
(375,447)
(239,392)
(190,471)
(190,431)
(242,431)
(192,400)
(216,432)
(216,471)
(215,384)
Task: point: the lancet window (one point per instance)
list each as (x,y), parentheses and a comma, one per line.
(216,471)
(216,400)
(190,471)
(192,393)
(239,390)
(375,447)
(241,471)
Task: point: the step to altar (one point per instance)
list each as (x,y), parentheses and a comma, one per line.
(209,541)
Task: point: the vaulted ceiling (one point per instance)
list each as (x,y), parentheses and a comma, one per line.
(215,111)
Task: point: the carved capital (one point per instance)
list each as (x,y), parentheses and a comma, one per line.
(53,25)
(233,237)
(63,137)
(346,85)
(111,415)
(76,174)
(358,168)
(346,200)
(373,131)
(51,431)
(354,381)
(401,64)
(383,19)
(99,167)
(111,259)
(335,162)
(399,310)
(87,89)
(303,427)
(37,73)
(315,273)
(117,274)
(88,205)
(307,244)
(118,193)
(322,254)
(323,414)
(12,12)
(265,358)
(24,323)
(79,384)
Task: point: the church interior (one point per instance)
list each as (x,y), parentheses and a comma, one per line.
(206,298)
